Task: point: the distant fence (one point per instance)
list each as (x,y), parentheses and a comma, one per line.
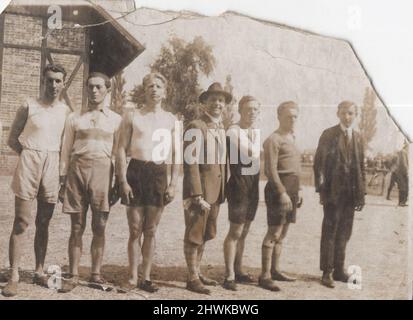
(377,180)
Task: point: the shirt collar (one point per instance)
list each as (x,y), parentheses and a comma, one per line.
(104,110)
(214,119)
(344,129)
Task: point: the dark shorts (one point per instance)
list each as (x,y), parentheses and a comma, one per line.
(87,183)
(201,226)
(242,192)
(148,181)
(276,216)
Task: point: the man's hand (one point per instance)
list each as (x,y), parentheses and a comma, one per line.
(286,204)
(199,200)
(126,193)
(300,199)
(114,193)
(359,207)
(62,183)
(169,194)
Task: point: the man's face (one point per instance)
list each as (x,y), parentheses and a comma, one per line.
(249,112)
(54,84)
(347,115)
(288,119)
(97,90)
(215,104)
(155,90)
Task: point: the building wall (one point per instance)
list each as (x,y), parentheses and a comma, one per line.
(23,53)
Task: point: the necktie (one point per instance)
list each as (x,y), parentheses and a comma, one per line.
(347,136)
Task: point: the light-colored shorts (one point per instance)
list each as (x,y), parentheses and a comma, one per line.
(88,183)
(37,176)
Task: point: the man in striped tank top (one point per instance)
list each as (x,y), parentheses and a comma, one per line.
(89,142)
(36,135)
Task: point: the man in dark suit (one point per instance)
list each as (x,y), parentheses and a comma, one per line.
(340,180)
(402,174)
(204,181)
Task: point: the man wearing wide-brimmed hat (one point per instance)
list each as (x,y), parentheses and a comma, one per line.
(204,182)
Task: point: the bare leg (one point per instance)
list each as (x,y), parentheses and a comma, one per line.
(20,224)
(78,221)
(273,234)
(230,248)
(240,248)
(99,220)
(135,222)
(152,218)
(41,238)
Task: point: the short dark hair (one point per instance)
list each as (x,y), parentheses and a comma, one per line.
(102,76)
(55,68)
(347,104)
(244,100)
(287,105)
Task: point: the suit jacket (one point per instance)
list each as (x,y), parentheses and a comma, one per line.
(330,170)
(402,163)
(201,178)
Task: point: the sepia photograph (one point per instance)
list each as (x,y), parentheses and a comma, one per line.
(169,155)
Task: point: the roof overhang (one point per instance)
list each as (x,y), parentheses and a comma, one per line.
(112,47)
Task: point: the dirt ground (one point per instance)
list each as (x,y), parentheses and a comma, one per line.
(379,246)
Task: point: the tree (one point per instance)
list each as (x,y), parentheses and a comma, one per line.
(118,93)
(182,64)
(368,116)
(137,95)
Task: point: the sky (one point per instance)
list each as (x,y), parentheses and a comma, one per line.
(273,63)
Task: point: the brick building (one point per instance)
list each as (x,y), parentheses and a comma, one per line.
(90,40)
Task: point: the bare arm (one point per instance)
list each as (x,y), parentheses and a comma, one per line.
(271,166)
(17,128)
(123,143)
(115,143)
(175,167)
(67,145)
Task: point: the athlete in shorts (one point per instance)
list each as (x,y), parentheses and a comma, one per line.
(89,142)
(144,187)
(36,135)
(282,193)
(242,189)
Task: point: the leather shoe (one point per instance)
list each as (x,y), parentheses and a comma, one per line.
(327,280)
(230,285)
(207,281)
(41,280)
(244,278)
(278,276)
(197,286)
(148,286)
(340,276)
(11,288)
(268,284)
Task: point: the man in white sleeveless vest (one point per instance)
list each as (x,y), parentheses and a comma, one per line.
(36,135)
(144,183)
